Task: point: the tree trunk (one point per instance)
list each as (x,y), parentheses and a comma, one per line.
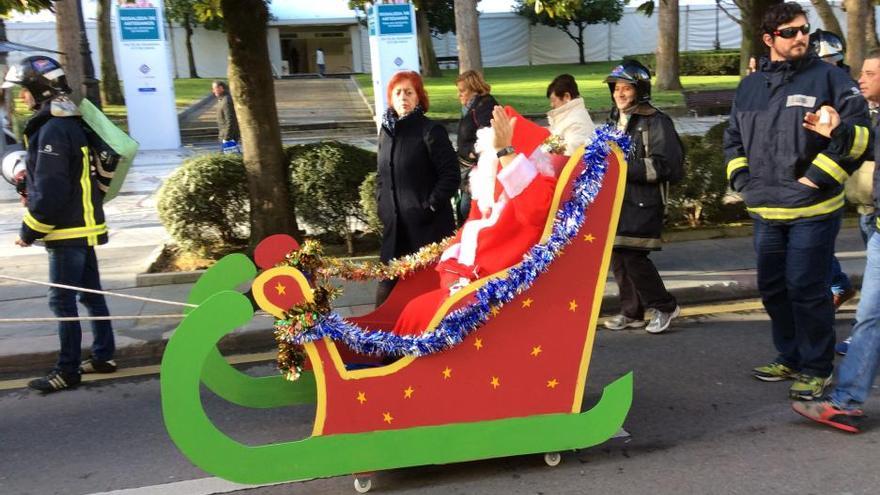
(67,31)
(871,40)
(111,92)
(187,26)
(253,94)
(667,46)
(829,21)
(856,23)
(580,42)
(467,36)
(752,12)
(430,67)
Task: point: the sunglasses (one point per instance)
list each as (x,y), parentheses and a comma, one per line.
(791,32)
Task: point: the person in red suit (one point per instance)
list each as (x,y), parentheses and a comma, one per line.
(513,187)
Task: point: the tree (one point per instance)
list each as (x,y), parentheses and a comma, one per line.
(829,20)
(667,46)
(253,94)
(751,15)
(111,92)
(467,36)
(586,12)
(871,40)
(186,13)
(68,33)
(856,24)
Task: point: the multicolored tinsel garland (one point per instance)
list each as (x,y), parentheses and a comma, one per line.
(309,259)
(458,324)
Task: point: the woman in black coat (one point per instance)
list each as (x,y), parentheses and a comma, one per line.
(477,105)
(417,174)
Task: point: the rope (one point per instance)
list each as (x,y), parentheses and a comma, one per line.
(93,291)
(87,318)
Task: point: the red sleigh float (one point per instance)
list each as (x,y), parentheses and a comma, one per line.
(513,386)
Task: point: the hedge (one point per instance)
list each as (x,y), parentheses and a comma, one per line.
(700,63)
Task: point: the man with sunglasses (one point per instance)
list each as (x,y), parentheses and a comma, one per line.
(792,183)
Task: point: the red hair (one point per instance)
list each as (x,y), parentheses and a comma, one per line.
(413,78)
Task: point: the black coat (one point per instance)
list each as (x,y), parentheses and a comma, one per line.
(227,124)
(478,115)
(417,177)
(641,215)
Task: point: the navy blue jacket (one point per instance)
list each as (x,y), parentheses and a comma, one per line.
(63,200)
(767,149)
(845,136)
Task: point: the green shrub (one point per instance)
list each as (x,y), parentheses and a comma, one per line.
(204,205)
(325,180)
(368,203)
(698,63)
(697,199)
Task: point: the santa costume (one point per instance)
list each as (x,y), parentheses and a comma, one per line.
(508,214)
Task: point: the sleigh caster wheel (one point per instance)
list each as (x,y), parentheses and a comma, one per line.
(362,485)
(552,459)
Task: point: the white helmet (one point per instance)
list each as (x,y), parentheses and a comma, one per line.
(14,166)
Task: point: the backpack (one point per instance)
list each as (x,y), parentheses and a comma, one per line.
(111,150)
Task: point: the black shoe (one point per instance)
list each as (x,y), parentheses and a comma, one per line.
(95,366)
(56,380)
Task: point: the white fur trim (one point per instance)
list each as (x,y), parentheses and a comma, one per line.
(467,253)
(482,177)
(451,252)
(517,176)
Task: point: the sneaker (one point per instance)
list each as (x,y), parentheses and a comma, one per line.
(808,387)
(828,413)
(620,322)
(660,321)
(774,372)
(843,297)
(95,366)
(56,380)
(842,347)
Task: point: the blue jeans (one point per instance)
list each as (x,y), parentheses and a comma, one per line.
(78,266)
(794,274)
(856,374)
(867,226)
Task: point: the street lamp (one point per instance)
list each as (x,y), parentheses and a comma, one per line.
(90,84)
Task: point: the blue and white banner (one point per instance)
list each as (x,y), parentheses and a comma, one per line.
(393,47)
(146,75)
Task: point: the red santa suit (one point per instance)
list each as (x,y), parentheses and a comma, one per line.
(508,215)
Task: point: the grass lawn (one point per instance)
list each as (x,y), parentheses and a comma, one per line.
(187,92)
(525,87)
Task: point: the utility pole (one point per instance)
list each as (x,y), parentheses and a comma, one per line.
(90,84)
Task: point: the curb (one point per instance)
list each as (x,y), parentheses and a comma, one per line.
(143,353)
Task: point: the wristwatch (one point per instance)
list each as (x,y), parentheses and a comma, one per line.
(507,150)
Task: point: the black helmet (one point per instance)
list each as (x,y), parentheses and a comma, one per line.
(41,75)
(828,46)
(632,72)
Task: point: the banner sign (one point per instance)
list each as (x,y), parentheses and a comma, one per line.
(393,47)
(146,74)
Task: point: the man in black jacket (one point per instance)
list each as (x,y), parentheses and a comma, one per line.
(792,183)
(227,124)
(654,160)
(64,211)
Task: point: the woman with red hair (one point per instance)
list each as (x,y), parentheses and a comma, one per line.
(417,174)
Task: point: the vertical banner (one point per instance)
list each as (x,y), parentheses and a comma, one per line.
(393,47)
(146,74)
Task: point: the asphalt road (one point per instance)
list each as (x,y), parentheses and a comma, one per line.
(700,424)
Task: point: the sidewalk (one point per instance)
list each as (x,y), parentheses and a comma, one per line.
(694,271)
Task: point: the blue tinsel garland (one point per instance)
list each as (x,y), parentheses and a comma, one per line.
(458,324)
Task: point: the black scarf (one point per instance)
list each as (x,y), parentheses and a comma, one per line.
(390,119)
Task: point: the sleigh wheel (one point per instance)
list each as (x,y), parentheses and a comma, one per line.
(362,485)
(552,458)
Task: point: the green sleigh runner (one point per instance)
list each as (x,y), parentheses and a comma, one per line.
(512,386)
